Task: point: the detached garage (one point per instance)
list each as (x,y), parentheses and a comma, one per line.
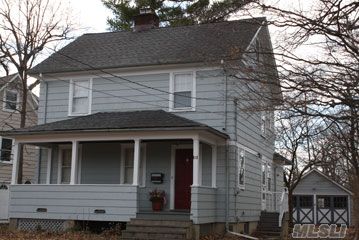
(318,199)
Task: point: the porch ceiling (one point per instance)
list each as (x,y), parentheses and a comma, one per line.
(136,121)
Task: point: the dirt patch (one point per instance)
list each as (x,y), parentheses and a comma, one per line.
(6,234)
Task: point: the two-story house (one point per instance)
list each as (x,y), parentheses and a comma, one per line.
(10,94)
(124,113)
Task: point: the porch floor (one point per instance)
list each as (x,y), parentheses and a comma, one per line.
(164,215)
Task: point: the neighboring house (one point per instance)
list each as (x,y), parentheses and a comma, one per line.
(320,200)
(123,113)
(10,119)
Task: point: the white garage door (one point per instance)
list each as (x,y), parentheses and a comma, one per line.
(4,203)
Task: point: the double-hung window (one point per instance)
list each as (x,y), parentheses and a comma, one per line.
(6,150)
(10,100)
(80,97)
(182,91)
(241,168)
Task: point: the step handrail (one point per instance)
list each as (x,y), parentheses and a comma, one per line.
(283,205)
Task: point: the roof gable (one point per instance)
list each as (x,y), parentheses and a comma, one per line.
(168,45)
(319,178)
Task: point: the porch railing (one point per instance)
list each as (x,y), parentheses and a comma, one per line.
(74,202)
(283,206)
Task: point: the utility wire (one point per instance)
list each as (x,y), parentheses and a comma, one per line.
(125,79)
(128,99)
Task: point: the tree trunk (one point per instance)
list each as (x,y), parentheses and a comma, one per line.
(290,209)
(355,214)
(23,110)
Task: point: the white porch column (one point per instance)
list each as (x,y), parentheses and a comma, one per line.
(136,162)
(196,179)
(74,162)
(214,166)
(15,164)
(49,158)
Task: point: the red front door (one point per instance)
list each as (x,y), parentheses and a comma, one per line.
(183,178)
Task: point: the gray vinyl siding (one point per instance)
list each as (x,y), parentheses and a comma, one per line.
(203,205)
(74,202)
(158,160)
(114,94)
(317,184)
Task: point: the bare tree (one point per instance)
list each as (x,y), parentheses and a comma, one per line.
(297,138)
(318,59)
(27,26)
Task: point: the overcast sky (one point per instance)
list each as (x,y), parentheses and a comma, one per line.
(90,15)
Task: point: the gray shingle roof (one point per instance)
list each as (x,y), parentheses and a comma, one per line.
(105,121)
(168,45)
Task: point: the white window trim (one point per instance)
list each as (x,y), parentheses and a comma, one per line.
(4,100)
(241,153)
(12,152)
(171,95)
(143,153)
(71,89)
(263,124)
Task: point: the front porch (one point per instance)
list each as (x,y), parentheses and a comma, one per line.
(107,176)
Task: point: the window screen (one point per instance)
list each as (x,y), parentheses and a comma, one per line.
(80,98)
(10,100)
(129,155)
(6,146)
(66,166)
(182,90)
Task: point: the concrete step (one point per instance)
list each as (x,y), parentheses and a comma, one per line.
(260,229)
(268,233)
(157,229)
(266,224)
(164,215)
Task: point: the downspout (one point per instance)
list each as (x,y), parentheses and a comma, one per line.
(227,160)
(236,191)
(226,146)
(235,102)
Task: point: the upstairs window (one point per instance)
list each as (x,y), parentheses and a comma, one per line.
(10,100)
(182,91)
(80,97)
(6,150)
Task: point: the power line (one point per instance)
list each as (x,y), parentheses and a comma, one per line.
(128,99)
(127,80)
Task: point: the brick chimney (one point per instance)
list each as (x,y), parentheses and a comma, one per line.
(146,20)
